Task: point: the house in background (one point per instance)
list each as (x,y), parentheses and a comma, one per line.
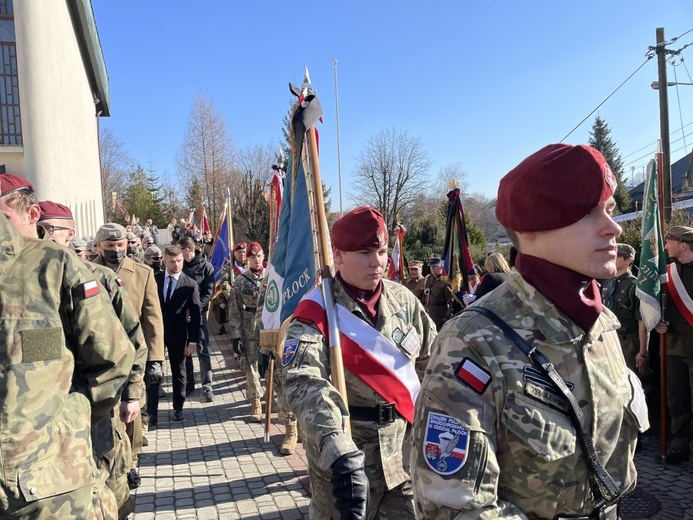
(681,182)
(53,89)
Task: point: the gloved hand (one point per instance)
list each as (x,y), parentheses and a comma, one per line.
(468,298)
(350,486)
(153,373)
(237,348)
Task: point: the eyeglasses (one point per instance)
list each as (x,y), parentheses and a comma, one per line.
(52,229)
(132,242)
(154,258)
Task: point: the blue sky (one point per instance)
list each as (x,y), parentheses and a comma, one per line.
(483,84)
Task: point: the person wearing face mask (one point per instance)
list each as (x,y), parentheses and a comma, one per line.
(134,250)
(111,243)
(152,258)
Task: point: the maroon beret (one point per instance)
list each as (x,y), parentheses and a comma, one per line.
(10,182)
(53,210)
(554,188)
(240,245)
(254,248)
(361,228)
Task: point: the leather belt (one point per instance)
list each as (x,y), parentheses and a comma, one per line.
(380,413)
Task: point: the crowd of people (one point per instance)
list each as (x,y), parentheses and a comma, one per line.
(519,395)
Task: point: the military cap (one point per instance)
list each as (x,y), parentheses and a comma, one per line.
(240,245)
(254,248)
(79,243)
(681,233)
(415,263)
(626,250)
(554,188)
(361,228)
(152,251)
(53,210)
(110,232)
(130,235)
(435,261)
(90,245)
(147,240)
(10,182)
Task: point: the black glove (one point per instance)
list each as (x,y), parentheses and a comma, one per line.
(153,374)
(350,486)
(237,347)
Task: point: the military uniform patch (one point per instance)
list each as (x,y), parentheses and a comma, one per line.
(445,444)
(90,289)
(120,282)
(397,335)
(473,375)
(540,387)
(290,348)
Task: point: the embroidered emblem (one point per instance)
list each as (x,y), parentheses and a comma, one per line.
(445,444)
(290,348)
(473,375)
(397,335)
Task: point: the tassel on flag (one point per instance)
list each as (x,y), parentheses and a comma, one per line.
(652,269)
(457,256)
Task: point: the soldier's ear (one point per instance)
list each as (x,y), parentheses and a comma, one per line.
(34,213)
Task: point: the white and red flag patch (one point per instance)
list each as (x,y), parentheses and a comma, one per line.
(473,375)
(90,289)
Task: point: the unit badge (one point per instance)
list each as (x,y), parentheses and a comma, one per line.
(445,444)
(290,348)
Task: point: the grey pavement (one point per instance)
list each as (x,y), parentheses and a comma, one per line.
(215,464)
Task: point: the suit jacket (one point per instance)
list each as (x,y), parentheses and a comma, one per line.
(138,280)
(184,303)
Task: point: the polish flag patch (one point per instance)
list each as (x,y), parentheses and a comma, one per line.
(90,289)
(473,375)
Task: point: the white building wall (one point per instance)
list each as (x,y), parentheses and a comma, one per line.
(59,124)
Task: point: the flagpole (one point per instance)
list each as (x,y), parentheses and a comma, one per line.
(339,152)
(662,337)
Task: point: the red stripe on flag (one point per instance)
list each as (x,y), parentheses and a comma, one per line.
(473,375)
(90,289)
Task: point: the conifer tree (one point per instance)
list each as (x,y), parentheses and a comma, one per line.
(600,138)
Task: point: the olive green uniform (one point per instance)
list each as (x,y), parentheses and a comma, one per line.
(618,294)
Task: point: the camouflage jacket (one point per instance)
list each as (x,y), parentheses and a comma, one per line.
(618,294)
(65,358)
(245,307)
(491,437)
(318,406)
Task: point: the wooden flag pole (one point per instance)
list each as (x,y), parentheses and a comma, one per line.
(662,337)
(325,252)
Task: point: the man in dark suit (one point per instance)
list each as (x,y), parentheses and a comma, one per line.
(180,306)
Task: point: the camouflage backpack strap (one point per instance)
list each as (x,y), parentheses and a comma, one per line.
(606,490)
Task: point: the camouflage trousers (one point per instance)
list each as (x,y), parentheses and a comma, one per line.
(249,362)
(284,413)
(117,463)
(95,502)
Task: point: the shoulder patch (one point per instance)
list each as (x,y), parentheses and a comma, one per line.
(290,348)
(473,375)
(120,282)
(445,444)
(90,289)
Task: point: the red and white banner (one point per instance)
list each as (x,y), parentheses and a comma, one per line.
(396,271)
(367,354)
(679,294)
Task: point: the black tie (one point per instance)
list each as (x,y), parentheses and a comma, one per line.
(170,288)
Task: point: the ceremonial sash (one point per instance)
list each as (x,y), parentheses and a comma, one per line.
(679,294)
(367,354)
(238,269)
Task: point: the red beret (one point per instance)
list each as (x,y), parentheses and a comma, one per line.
(240,245)
(53,210)
(10,182)
(554,188)
(361,228)
(254,248)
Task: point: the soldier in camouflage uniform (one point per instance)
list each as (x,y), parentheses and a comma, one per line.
(618,294)
(229,271)
(245,315)
(378,312)
(492,436)
(62,340)
(134,250)
(415,282)
(115,455)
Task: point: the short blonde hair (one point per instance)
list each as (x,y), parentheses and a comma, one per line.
(495,263)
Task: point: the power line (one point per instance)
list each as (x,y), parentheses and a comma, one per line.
(649,57)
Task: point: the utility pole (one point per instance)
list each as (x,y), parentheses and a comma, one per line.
(664,123)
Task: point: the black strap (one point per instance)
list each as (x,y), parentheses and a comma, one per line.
(601,480)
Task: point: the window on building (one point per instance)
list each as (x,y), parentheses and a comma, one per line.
(10,120)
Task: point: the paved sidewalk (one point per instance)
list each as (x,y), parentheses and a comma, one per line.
(215,464)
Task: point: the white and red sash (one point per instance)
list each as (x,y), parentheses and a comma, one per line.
(367,354)
(238,269)
(679,294)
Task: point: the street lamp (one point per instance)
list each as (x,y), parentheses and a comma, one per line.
(655,84)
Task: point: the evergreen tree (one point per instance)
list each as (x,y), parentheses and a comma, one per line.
(142,198)
(600,138)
